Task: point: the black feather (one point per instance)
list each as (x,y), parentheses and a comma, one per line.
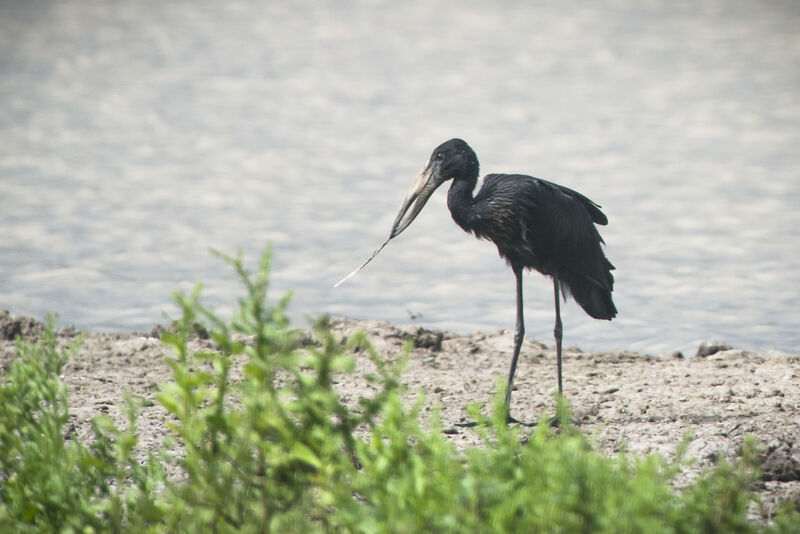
(535,224)
(540,225)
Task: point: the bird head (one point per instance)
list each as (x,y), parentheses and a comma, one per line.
(453,159)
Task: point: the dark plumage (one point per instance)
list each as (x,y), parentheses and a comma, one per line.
(540,225)
(535,224)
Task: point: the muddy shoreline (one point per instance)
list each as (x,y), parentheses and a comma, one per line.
(624,400)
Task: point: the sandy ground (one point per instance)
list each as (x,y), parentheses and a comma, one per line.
(624,400)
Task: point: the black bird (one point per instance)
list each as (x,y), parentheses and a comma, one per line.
(535,224)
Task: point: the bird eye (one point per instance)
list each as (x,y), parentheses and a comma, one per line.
(439,155)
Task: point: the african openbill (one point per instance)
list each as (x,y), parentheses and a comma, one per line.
(535,224)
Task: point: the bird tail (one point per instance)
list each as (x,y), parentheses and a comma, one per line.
(593,295)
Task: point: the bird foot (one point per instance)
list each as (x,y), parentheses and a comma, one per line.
(510,420)
(555,422)
(466,424)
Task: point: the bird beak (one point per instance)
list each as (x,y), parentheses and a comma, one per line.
(424,186)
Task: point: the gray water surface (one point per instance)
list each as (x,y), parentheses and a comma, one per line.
(136,135)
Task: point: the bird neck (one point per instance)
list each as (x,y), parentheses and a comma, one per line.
(460,201)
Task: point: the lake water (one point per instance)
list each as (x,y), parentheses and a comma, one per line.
(136,135)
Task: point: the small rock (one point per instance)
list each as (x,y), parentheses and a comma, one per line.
(428,339)
(156,331)
(68,331)
(707,348)
(780,461)
(11,327)
(196,331)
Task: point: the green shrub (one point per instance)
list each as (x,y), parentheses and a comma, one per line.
(276,450)
(52,482)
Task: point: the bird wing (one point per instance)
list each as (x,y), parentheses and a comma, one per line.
(546,226)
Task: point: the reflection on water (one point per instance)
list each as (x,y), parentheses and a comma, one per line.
(134,136)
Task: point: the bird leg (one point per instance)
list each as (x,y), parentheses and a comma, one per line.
(557,331)
(519,335)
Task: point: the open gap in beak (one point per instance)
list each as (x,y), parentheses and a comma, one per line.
(424,186)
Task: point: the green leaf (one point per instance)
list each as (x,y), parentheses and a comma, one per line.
(105,423)
(301,452)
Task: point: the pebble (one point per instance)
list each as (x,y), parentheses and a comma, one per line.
(707,348)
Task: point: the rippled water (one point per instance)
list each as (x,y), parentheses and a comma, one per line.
(134,136)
